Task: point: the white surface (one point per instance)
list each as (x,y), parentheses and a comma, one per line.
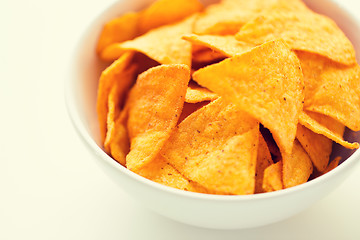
(50,187)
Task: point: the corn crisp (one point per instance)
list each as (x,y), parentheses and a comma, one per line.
(332,129)
(227,17)
(297,166)
(164,44)
(113,73)
(216,148)
(273,177)
(118,30)
(163,12)
(272,93)
(155,104)
(302,30)
(162,172)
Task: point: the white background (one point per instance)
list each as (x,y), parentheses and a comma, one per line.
(51,188)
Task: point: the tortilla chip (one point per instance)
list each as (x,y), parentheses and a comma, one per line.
(162,172)
(163,44)
(297,166)
(273,177)
(317,146)
(333,130)
(196,94)
(302,30)
(216,146)
(114,73)
(338,96)
(118,30)
(117,141)
(163,12)
(155,104)
(225,45)
(266,83)
(263,161)
(227,17)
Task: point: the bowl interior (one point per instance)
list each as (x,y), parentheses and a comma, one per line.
(86,69)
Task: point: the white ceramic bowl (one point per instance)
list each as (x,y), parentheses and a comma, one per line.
(210,211)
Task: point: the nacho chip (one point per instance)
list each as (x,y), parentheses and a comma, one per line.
(225,45)
(317,146)
(216,147)
(297,166)
(155,105)
(114,73)
(116,141)
(266,83)
(338,96)
(329,128)
(118,30)
(164,12)
(227,17)
(263,161)
(196,94)
(163,44)
(302,30)
(273,177)
(162,172)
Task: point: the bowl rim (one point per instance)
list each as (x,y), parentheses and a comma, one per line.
(91,144)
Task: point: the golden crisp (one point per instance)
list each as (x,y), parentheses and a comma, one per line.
(164,44)
(317,146)
(155,104)
(273,177)
(164,12)
(216,146)
(118,30)
(303,30)
(332,129)
(114,73)
(272,93)
(297,166)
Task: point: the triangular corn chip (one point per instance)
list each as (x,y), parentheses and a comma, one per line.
(302,30)
(297,166)
(163,12)
(273,177)
(327,127)
(114,73)
(162,172)
(227,17)
(189,108)
(226,45)
(163,44)
(317,146)
(266,82)
(118,30)
(155,104)
(216,146)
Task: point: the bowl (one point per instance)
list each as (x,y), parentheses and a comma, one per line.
(203,210)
